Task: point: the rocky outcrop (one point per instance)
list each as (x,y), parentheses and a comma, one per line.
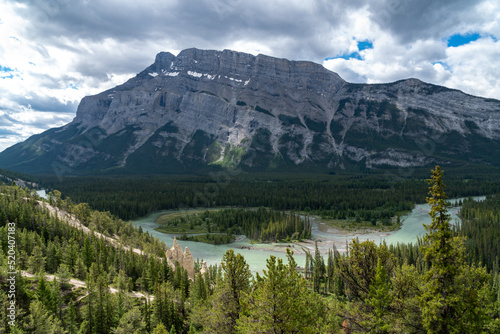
(204,268)
(188,263)
(205,109)
(185,259)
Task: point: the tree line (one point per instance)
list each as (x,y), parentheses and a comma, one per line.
(367,197)
(261,224)
(480,221)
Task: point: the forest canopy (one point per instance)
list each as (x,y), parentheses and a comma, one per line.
(72,280)
(261,224)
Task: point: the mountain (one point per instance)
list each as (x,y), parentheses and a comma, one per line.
(204,109)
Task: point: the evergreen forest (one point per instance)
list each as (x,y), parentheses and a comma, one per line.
(261,225)
(66,267)
(370,197)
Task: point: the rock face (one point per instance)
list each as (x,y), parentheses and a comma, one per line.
(204,268)
(185,259)
(206,109)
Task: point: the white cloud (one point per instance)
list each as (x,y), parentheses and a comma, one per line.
(19,125)
(475,68)
(471,68)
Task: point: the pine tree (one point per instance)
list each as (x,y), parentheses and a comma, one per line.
(37,260)
(56,298)
(406,287)
(192,330)
(41,322)
(88,325)
(104,308)
(147,314)
(88,253)
(160,329)
(379,300)
(98,312)
(54,255)
(120,282)
(4,304)
(71,254)
(64,275)
(236,273)
(80,269)
(43,292)
(450,301)
(222,310)
(198,292)
(164,309)
(440,302)
(131,322)
(358,268)
(319,269)
(71,318)
(281,303)
(330,269)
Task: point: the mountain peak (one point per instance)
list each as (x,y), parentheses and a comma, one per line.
(239,63)
(206,109)
(163,59)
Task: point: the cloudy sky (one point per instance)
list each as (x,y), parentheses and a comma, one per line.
(54,52)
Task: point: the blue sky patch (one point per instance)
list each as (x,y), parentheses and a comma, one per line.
(445,66)
(462,39)
(72,86)
(6,69)
(363,45)
(492,37)
(347,56)
(6,72)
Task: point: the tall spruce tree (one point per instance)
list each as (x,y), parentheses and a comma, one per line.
(379,300)
(40,320)
(453,292)
(281,303)
(236,273)
(319,269)
(440,300)
(223,307)
(131,322)
(160,329)
(164,309)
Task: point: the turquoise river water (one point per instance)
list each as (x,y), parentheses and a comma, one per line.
(256,254)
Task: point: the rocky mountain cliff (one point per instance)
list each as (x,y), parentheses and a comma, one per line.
(206,109)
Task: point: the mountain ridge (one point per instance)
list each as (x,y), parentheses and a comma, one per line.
(218,109)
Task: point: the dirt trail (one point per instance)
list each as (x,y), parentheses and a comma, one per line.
(76,283)
(73,221)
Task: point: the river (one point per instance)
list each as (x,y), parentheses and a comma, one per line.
(42,193)
(411,229)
